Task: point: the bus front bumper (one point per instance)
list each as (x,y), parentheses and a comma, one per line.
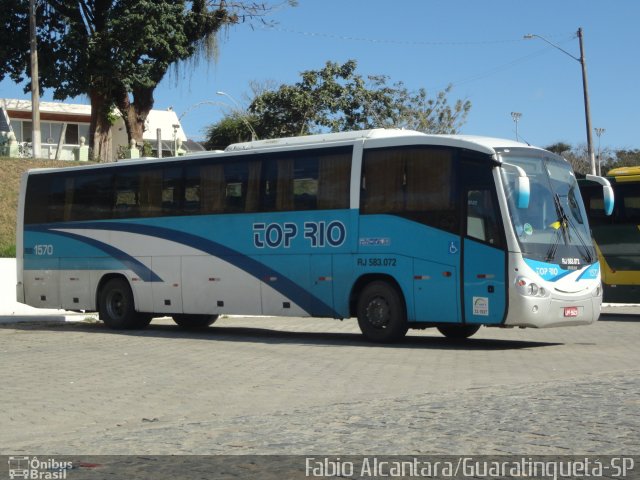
(553,312)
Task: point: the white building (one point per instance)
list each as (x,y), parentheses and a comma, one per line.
(16,117)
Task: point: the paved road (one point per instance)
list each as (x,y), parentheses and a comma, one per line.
(301,386)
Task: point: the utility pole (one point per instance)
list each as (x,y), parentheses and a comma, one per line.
(35,83)
(587,111)
(585,90)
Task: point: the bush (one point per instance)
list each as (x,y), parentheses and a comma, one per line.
(7,251)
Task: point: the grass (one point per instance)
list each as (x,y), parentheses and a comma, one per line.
(11,170)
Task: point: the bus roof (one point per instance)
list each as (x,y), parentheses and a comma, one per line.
(624,171)
(378,136)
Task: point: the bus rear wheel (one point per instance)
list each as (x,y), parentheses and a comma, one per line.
(186,320)
(381,313)
(117,308)
(458,332)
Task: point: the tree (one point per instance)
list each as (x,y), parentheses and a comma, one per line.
(115,51)
(578,157)
(336,99)
(625,158)
(231,129)
(559,148)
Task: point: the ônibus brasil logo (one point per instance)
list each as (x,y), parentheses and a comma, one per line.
(36,469)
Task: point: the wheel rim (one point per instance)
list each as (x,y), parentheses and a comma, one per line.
(116,305)
(378,312)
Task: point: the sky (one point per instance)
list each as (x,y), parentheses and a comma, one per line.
(476,46)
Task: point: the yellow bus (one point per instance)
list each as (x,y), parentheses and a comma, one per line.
(617,237)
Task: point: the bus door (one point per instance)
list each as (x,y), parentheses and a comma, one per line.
(484,256)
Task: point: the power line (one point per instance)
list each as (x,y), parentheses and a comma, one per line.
(472,78)
(432,43)
(499,68)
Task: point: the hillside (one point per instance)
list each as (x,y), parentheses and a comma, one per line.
(11,170)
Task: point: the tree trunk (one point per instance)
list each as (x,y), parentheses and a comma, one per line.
(100,128)
(135,114)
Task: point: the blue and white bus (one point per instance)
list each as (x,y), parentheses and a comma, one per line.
(397,228)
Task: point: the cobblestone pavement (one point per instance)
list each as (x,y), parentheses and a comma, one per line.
(309,386)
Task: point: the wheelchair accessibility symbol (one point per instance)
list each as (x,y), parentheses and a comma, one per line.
(454,247)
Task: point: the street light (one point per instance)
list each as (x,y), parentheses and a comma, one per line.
(599,132)
(516,116)
(585,90)
(254,135)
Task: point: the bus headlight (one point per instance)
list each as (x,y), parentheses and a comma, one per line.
(529,288)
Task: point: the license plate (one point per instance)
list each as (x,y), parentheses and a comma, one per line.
(570,311)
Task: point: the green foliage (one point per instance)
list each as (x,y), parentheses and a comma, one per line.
(230,129)
(112,117)
(8,251)
(147,149)
(559,148)
(335,99)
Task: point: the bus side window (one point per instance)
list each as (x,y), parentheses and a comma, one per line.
(308,181)
(44,199)
(430,197)
(482,223)
(88,197)
(334,177)
(382,188)
(171,190)
(415,182)
(242,186)
(150,193)
(208,193)
(191,192)
(305,183)
(630,202)
(297,183)
(475,220)
(126,200)
(54,205)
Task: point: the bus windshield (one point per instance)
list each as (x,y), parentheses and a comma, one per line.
(553,228)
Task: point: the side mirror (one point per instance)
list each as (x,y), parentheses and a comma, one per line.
(523,187)
(524,192)
(607,192)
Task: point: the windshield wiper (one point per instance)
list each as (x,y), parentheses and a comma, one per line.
(565,223)
(553,248)
(563,219)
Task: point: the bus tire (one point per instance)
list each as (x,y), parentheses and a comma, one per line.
(117,308)
(381,313)
(187,320)
(458,332)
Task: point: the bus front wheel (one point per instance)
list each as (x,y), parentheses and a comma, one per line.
(117,308)
(458,332)
(381,313)
(186,320)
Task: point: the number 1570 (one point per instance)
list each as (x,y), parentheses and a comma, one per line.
(43,249)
